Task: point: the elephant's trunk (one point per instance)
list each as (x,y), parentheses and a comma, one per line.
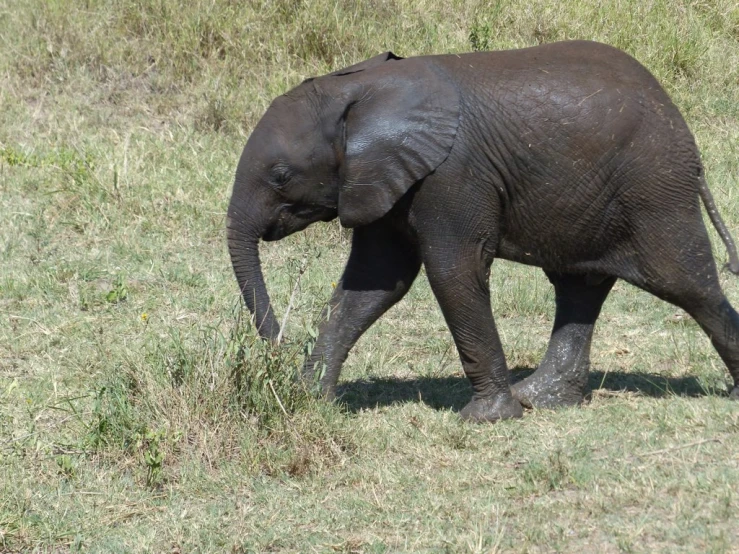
(244,231)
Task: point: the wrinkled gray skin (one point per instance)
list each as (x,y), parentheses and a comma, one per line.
(568,156)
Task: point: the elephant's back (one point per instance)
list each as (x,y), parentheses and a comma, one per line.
(568,59)
(553,81)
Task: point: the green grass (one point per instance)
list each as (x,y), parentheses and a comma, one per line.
(138,411)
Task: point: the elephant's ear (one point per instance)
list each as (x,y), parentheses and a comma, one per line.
(399,126)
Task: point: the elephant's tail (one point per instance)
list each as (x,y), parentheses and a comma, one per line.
(718,223)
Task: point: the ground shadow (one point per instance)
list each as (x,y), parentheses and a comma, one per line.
(443,393)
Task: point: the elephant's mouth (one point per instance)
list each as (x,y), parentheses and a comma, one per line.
(292,219)
(274,232)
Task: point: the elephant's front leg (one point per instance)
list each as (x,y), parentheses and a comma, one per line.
(382,266)
(459,279)
(562,376)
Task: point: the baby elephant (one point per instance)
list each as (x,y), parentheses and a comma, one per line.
(567,156)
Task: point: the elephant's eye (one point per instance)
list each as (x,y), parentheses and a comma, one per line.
(280,175)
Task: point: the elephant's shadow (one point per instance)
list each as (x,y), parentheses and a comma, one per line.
(453,393)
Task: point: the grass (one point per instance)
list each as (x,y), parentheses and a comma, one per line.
(138,412)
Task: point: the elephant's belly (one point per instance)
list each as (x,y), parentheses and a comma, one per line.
(565,230)
(515,253)
(563,254)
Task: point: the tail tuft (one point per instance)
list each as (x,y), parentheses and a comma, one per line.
(733,266)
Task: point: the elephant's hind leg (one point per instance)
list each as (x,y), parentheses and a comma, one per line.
(562,376)
(684,273)
(721,323)
(712,311)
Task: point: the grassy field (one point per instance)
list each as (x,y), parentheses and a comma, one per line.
(138,411)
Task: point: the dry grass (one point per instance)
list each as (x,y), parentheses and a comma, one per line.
(138,413)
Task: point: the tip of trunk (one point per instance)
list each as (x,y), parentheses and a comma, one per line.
(268,328)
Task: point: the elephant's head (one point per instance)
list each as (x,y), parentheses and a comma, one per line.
(348,144)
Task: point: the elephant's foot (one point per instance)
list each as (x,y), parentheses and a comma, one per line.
(322,383)
(734,394)
(327,392)
(487,409)
(318,389)
(552,389)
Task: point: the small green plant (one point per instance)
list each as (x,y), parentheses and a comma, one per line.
(113,419)
(479,36)
(77,166)
(118,293)
(483,28)
(152,443)
(14,157)
(66,466)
